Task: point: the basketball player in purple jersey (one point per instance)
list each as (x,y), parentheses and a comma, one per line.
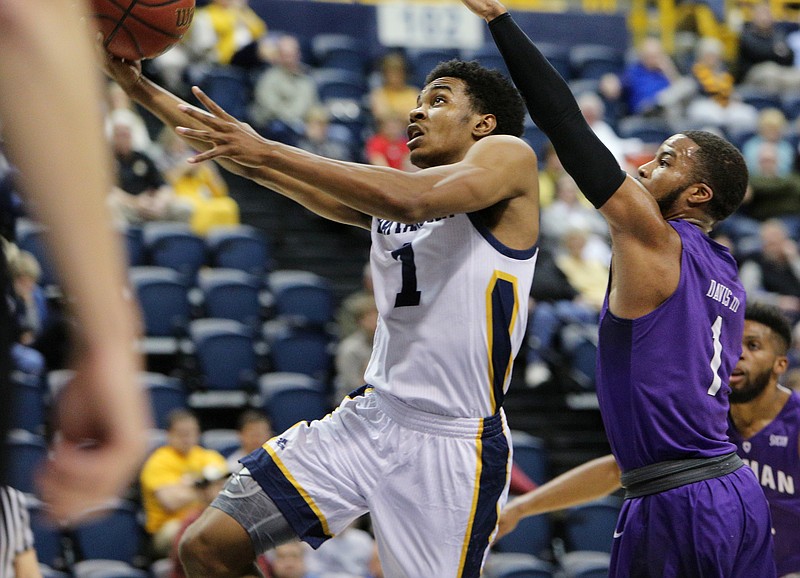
(670,334)
(765,426)
(764,423)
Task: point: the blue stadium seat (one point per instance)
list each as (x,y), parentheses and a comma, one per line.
(232,294)
(302,298)
(759,98)
(239,247)
(25,453)
(513,565)
(595,60)
(163,297)
(230,87)
(227,362)
(649,130)
(289,398)
(300,350)
(333,83)
(133,238)
(489,56)
(48,537)
(29,403)
(533,534)
(422,60)
(339,51)
(113,533)
(591,526)
(558,56)
(536,138)
(176,246)
(166,394)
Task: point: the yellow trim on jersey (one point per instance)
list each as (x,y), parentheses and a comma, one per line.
(490,331)
(300,490)
(475,494)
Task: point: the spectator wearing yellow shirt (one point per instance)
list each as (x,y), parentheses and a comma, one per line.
(169,479)
(229,32)
(199,185)
(393,96)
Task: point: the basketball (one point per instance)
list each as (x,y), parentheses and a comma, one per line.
(139,29)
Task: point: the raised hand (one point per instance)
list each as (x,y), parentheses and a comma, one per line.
(486,9)
(222,135)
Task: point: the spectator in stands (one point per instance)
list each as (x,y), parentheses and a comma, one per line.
(609,87)
(169,479)
(772,275)
(316,138)
(122,111)
(771,128)
(774,195)
(141,193)
(254,429)
(354,351)
(229,32)
(200,186)
(652,83)
(387,147)
(594,111)
(568,212)
(284,94)
(30,311)
(289,561)
(347,316)
(717,104)
(393,96)
(550,171)
(570,293)
(765,59)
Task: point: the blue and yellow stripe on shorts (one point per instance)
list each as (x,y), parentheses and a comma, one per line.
(490,481)
(292,500)
(501,316)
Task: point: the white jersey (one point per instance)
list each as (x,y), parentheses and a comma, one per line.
(453,304)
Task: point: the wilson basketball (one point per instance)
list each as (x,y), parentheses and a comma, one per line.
(138,29)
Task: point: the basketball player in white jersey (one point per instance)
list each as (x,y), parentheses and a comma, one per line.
(424,447)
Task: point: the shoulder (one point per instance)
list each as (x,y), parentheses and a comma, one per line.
(503,146)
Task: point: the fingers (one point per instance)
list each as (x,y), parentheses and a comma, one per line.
(210,105)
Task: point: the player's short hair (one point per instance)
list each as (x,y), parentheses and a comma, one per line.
(770,316)
(721,166)
(489,91)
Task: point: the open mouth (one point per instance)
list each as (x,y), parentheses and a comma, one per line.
(413,133)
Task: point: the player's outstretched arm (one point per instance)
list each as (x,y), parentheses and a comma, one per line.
(590,481)
(171,110)
(49,100)
(495,168)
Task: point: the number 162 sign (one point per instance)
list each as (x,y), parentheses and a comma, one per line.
(420,25)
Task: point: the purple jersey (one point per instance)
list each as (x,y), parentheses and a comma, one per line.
(662,379)
(774,457)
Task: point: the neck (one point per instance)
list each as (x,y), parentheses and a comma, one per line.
(753,416)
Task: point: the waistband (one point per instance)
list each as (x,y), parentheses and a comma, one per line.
(442,425)
(663,476)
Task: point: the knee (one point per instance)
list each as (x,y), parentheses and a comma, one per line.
(199,554)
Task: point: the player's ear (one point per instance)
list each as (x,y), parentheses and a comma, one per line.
(780,365)
(485,125)
(700,193)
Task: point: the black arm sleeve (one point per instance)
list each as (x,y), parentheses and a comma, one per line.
(554,109)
